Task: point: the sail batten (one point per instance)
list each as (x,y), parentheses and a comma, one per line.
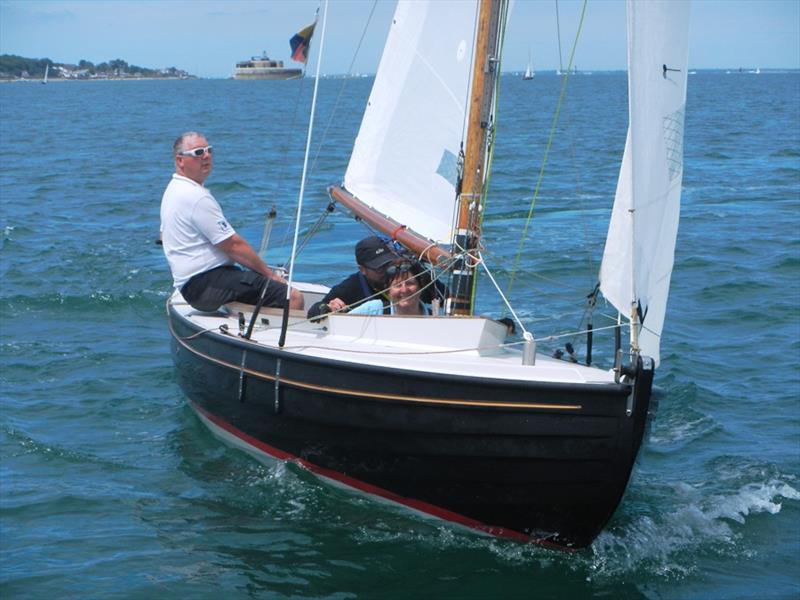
(639,253)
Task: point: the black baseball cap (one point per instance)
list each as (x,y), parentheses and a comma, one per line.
(373,253)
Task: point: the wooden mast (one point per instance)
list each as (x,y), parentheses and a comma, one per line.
(485,73)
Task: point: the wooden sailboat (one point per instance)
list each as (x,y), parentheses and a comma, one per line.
(440,413)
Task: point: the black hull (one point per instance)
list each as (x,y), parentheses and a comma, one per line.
(538,462)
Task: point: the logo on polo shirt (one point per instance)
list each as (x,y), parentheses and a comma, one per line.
(223,225)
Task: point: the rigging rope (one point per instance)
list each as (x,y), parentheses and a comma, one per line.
(558,32)
(434,277)
(284,154)
(342,87)
(550,138)
(324,135)
(302,182)
(499,291)
(224,329)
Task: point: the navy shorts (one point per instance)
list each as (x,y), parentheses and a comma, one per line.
(210,290)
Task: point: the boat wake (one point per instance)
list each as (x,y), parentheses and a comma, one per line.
(21,443)
(679,423)
(666,545)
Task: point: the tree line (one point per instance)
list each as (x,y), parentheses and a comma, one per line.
(13,67)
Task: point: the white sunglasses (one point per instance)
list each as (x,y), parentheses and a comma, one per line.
(197,151)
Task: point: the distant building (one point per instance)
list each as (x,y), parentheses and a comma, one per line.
(262,67)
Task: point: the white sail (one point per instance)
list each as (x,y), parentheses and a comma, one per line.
(528,72)
(529,69)
(640,248)
(405,159)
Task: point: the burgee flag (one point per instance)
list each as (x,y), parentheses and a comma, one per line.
(300,43)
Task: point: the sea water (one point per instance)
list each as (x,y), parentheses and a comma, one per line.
(111,487)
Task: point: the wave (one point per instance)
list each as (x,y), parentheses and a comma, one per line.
(717,156)
(678,424)
(662,545)
(22,443)
(722,294)
(785,152)
(95,300)
(665,543)
(777,174)
(222,187)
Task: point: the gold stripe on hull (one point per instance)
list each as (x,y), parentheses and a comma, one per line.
(372,395)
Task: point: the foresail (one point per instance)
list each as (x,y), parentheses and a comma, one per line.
(405,159)
(640,248)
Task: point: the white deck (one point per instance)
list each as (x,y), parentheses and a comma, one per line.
(463,346)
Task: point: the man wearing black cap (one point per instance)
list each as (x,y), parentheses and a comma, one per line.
(373,255)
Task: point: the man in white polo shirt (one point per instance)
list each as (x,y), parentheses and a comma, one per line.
(201,247)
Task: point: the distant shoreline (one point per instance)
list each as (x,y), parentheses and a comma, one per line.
(510,73)
(73,80)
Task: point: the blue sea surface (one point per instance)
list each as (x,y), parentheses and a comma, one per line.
(111,487)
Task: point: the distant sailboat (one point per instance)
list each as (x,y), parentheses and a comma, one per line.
(46,71)
(529,73)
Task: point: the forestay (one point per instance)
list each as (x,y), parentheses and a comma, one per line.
(405,159)
(639,253)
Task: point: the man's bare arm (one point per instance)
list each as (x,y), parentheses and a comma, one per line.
(240,251)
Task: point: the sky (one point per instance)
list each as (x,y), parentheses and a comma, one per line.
(207,38)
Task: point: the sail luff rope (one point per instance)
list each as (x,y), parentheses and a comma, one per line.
(305,158)
(550,138)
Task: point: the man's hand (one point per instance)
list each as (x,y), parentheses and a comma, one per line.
(336,305)
(240,251)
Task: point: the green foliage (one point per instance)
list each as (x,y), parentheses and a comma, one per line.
(13,66)
(17,67)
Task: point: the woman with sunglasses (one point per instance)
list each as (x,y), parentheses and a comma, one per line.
(405,281)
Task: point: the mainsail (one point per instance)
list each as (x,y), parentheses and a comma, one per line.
(640,248)
(405,159)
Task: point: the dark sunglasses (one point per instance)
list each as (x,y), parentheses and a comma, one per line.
(198,152)
(393,270)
